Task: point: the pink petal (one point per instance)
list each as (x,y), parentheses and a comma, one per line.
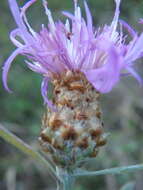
(44,90)
(89,18)
(6,67)
(136,50)
(16,14)
(135,75)
(116,17)
(131,31)
(104,78)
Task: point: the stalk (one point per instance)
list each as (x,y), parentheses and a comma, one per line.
(67,179)
(68,182)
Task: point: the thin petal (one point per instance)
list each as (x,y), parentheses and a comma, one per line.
(136,50)
(131,31)
(140,21)
(69,15)
(6,68)
(36,68)
(26,6)
(89,17)
(23,15)
(44,90)
(104,78)
(13,36)
(135,75)
(116,17)
(16,14)
(50,18)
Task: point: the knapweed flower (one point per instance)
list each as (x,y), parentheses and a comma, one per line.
(82,62)
(101,54)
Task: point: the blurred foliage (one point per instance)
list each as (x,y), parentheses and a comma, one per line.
(21,111)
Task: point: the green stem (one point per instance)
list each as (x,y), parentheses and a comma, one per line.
(68,182)
(66,178)
(117,170)
(18,143)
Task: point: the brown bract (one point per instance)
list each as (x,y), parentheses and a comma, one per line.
(76,127)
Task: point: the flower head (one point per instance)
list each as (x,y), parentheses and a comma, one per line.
(102,55)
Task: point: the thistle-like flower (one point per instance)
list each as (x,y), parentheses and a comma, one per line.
(81,62)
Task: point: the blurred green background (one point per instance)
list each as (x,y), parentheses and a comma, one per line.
(21,111)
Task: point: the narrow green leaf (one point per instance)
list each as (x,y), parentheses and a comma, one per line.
(22,146)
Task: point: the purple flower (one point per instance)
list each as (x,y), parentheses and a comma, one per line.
(103,55)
